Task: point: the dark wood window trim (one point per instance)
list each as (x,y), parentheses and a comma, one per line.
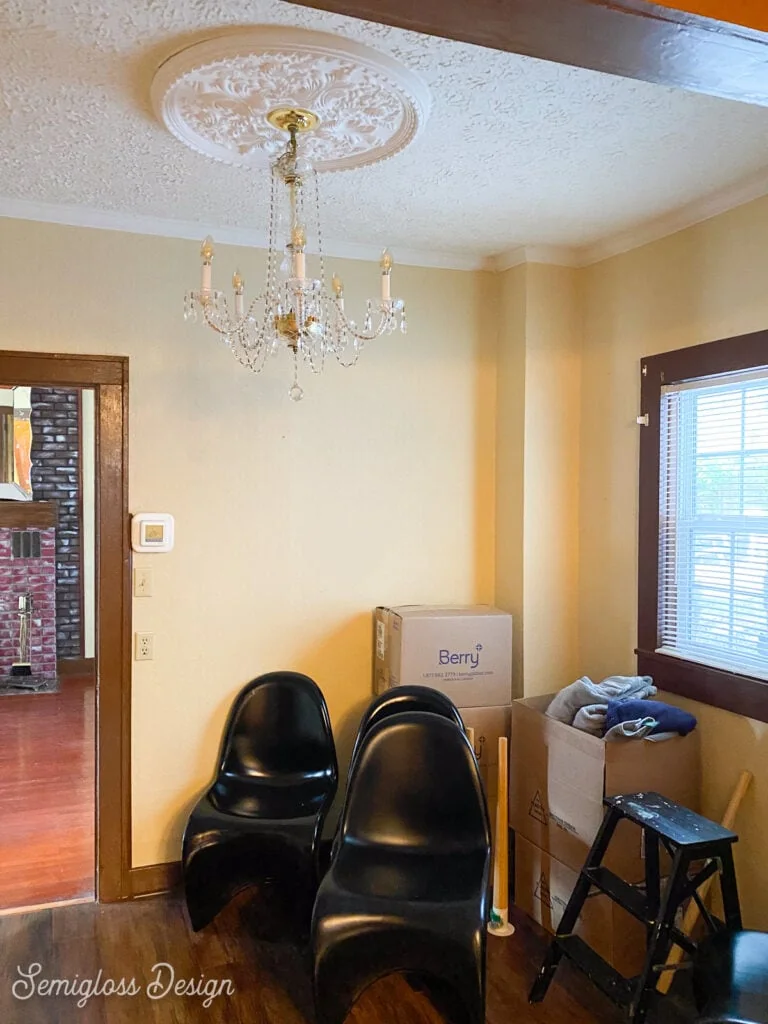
(744,695)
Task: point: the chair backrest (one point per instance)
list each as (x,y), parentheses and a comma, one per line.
(401,699)
(278,725)
(415,784)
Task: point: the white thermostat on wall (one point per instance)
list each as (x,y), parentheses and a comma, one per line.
(152,531)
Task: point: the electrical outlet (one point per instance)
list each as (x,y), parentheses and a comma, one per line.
(144,647)
(142,582)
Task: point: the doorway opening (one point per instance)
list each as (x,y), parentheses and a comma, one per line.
(64,630)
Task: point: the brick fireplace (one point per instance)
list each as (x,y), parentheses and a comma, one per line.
(28,566)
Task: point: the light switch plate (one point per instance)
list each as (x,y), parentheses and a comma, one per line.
(142,581)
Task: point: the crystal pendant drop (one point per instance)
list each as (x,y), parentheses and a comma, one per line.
(296,393)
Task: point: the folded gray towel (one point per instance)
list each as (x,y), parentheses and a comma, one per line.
(634,729)
(584,692)
(591,719)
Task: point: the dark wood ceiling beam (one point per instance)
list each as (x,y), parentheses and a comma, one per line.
(647,41)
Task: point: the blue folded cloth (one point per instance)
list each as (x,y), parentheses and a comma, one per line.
(668,718)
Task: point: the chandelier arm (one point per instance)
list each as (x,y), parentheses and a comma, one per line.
(216,314)
(387,322)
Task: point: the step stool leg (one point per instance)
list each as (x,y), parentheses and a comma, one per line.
(659,938)
(575,903)
(730,891)
(652,876)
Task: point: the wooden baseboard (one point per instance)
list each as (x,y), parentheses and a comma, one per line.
(152,879)
(76,666)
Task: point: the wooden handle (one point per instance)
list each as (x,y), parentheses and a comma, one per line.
(501,860)
(729,818)
(692,912)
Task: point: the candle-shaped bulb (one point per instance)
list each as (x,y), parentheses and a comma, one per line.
(206,249)
(338,286)
(298,237)
(386,262)
(238,283)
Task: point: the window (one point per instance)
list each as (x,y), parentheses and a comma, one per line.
(703,579)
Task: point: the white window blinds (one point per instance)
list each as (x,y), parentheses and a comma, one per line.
(713,522)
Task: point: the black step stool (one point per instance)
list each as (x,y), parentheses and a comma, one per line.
(687,838)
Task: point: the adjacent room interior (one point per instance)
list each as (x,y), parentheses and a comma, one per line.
(47,675)
(309,320)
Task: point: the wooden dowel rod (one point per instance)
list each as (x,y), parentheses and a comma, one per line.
(692,913)
(501,866)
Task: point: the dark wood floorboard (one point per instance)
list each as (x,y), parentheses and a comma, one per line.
(271,981)
(47,795)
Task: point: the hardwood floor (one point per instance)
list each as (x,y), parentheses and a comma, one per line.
(47,795)
(270,981)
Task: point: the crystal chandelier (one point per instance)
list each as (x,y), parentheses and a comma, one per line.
(295,310)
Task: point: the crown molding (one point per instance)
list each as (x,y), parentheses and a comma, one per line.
(139,224)
(745,191)
(555,255)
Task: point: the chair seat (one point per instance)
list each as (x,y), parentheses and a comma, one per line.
(731,978)
(278,798)
(415,876)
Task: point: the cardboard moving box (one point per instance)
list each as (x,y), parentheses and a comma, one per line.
(542,888)
(559,775)
(466,651)
(489,725)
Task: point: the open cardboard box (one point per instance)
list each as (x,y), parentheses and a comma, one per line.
(542,889)
(559,775)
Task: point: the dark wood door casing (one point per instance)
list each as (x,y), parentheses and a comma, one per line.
(108,376)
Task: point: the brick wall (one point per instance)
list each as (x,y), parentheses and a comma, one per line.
(35,576)
(56,477)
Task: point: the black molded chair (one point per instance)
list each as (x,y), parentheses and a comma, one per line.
(730,978)
(399,700)
(407,889)
(261,819)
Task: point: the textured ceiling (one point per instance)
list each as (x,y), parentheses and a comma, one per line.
(516,152)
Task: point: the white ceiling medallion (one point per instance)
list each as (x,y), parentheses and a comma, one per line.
(215,96)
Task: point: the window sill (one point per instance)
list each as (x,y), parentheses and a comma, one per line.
(743,695)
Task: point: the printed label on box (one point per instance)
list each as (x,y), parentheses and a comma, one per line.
(381,639)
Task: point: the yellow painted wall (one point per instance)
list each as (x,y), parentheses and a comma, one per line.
(537,449)
(704,283)
(510,455)
(551,490)
(292,521)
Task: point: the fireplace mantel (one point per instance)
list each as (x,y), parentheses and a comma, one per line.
(28,515)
